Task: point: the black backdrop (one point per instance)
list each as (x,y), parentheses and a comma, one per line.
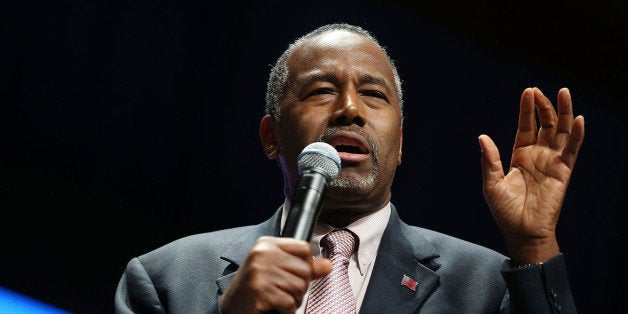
(127,124)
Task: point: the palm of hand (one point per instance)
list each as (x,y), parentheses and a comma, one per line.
(527,201)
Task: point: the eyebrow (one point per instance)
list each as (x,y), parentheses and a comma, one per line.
(370,79)
(318,77)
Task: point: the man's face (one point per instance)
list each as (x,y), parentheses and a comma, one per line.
(341,90)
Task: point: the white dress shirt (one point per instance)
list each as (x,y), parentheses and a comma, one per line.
(369,230)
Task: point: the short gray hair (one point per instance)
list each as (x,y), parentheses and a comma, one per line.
(278,80)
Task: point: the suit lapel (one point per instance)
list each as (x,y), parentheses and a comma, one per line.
(400,254)
(237,252)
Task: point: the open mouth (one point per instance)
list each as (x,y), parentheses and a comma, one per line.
(350,149)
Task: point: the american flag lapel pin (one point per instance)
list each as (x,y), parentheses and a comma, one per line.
(409,282)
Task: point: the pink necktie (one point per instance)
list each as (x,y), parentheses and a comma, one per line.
(332,293)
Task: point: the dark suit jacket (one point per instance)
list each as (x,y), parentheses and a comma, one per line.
(190,275)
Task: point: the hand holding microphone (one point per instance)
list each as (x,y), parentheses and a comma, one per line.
(259,288)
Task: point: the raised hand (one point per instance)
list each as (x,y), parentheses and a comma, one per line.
(274,276)
(527,201)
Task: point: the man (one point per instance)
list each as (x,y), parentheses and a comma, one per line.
(338,85)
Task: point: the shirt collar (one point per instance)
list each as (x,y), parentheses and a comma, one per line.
(369,230)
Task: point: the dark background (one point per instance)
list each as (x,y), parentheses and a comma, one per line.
(127,124)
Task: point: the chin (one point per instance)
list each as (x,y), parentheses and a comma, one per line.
(352,184)
(346,195)
(342,195)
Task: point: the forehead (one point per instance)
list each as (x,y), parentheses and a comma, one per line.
(340,48)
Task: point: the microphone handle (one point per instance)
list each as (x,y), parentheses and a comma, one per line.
(306,204)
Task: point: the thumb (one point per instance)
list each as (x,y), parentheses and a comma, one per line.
(492,169)
(320,267)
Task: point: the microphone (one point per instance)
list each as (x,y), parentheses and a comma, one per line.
(318,164)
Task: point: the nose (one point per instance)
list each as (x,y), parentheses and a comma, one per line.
(349,109)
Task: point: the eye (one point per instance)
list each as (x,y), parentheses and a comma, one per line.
(320,91)
(374,93)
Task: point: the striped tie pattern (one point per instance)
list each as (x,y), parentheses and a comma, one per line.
(332,293)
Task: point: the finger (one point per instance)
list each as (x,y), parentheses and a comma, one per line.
(320,267)
(295,286)
(292,246)
(292,255)
(565,119)
(492,169)
(547,118)
(526,129)
(280,270)
(279,300)
(302,250)
(570,153)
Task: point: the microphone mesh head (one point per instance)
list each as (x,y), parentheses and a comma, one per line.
(321,155)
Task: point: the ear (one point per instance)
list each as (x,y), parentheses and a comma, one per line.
(400,146)
(267,133)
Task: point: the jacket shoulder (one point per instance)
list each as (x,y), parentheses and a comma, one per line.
(200,246)
(451,247)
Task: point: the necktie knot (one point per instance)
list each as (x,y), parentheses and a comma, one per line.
(340,241)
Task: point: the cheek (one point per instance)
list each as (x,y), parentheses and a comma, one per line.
(306,124)
(297,130)
(388,130)
(389,144)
